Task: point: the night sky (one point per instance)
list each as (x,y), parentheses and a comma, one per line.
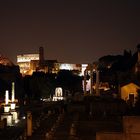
(72,31)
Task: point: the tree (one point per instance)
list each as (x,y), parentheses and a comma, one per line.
(69,81)
(137,104)
(39,85)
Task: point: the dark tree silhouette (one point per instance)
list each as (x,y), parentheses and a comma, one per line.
(39,85)
(69,81)
(137,104)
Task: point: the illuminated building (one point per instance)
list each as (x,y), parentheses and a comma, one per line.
(58,94)
(28,63)
(78,68)
(69,66)
(129,92)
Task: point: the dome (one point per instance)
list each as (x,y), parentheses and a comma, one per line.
(5,61)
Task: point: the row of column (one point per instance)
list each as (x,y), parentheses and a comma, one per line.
(91,69)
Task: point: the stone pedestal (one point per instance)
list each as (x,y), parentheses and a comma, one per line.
(15,116)
(6,108)
(7,115)
(13,106)
(8,118)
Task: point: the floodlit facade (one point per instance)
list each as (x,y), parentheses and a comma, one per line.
(68,66)
(58,94)
(27,63)
(129,92)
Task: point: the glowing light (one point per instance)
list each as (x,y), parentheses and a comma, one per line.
(27,57)
(5,61)
(84,66)
(13,91)
(9,120)
(15,115)
(6,109)
(6,97)
(24,117)
(58,92)
(13,106)
(16,121)
(66,66)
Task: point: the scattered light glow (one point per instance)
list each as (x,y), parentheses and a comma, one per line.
(15,115)
(16,121)
(9,120)
(58,94)
(13,106)
(23,117)
(13,91)
(6,97)
(6,109)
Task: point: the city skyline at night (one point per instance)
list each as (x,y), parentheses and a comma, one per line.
(69,69)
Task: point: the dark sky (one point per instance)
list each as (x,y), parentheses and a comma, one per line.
(73,31)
